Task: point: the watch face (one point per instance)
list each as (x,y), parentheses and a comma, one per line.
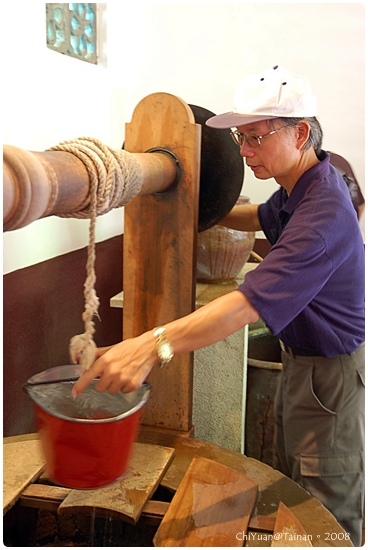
(166,351)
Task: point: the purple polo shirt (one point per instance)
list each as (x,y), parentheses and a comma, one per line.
(309,289)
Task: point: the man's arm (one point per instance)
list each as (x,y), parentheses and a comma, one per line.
(126,365)
(243,217)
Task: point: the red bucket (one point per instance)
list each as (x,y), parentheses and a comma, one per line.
(86,441)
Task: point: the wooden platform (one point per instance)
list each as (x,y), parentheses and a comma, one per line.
(125,499)
(171,460)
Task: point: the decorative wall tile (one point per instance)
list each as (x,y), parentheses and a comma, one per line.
(71,30)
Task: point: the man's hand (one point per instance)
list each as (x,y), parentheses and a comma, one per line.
(123,367)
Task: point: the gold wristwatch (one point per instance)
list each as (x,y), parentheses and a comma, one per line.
(163,347)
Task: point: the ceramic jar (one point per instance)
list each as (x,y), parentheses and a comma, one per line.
(222,252)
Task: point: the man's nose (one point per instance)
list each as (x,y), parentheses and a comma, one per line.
(246,150)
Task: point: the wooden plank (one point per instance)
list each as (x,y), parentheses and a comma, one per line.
(212,504)
(22,437)
(126,498)
(49,497)
(288,530)
(160,236)
(22,464)
(154,511)
(44,497)
(262,523)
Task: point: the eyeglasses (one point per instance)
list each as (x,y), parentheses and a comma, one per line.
(251,140)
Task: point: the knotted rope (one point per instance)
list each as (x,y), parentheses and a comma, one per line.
(115,179)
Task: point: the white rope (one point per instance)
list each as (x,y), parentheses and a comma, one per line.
(115,179)
(116,173)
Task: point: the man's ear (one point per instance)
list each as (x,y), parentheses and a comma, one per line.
(303,131)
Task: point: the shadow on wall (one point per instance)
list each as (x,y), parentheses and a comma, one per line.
(42,310)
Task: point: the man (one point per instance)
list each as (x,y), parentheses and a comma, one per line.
(309,290)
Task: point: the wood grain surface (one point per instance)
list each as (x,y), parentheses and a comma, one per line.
(211,506)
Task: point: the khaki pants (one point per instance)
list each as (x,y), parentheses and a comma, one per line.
(319,432)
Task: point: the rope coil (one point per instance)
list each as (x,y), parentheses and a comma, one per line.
(115,179)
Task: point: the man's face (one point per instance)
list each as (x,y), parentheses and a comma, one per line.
(277,153)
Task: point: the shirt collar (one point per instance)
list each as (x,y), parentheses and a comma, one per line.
(318,172)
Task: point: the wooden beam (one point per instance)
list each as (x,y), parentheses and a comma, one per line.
(41,184)
(160,237)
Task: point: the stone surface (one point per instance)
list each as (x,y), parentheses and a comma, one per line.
(220,378)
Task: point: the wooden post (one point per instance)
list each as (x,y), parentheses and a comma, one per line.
(160,237)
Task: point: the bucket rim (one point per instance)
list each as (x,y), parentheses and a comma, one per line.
(146,391)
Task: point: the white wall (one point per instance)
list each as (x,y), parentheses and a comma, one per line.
(194,49)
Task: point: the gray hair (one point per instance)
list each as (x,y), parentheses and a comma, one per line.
(315,136)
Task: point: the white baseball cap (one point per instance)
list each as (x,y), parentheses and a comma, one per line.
(272,93)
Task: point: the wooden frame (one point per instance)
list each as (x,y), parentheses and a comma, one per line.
(160,237)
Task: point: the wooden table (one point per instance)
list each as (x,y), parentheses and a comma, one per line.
(318,522)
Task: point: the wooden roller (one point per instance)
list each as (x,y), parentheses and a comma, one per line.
(41,184)
(37,185)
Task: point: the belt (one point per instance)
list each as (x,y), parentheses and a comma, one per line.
(301,352)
